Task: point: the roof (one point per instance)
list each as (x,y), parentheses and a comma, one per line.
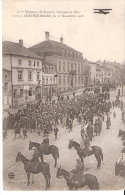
(50,44)
(17,49)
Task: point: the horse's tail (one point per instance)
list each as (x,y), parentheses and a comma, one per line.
(101,154)
(96,184)
(58,154)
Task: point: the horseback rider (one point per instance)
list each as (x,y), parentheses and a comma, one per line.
(88,148)
(34,162)
(89,131)
(55,131)
(76,175)
(45,143)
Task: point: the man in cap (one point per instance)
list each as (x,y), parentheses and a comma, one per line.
(45,143)
(34,162)
(76,175)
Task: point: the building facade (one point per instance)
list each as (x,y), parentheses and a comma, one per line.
(103,75)
(69,63)
(7,89)
(49,79)
(26,72)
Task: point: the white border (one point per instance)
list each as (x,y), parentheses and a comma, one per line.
(1,150)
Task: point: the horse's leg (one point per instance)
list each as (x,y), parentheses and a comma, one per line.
(98,158)
(28,177)
(55,158)
(33,179)
(46,178)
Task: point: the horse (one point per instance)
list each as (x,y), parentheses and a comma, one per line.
(35,168)
(51,150)
(82,153)
(120,166)
(88,180)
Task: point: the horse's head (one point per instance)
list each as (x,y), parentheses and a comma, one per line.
(59,172)
(18,157)
(70,143)
(30,145)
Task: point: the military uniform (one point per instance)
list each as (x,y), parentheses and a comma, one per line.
(45,144)
(76,175)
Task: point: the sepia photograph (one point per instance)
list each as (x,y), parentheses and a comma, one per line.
(63,95)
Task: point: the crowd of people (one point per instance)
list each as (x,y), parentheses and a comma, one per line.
(89,109)
(45,117)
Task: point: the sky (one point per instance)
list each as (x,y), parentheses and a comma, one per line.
(97,36)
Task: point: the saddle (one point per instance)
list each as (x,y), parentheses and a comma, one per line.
(45,149)
(77,178)
(85,152)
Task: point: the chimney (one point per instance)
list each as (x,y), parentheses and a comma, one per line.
(47,36)
(21,42)
(61,39)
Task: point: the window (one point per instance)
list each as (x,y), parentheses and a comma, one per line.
(60,79)
(68,79)
(51,80)
(38,76)
(71,67)
(20,74)
(30,63)
(30,92)
(21,92)
(38,64)
(43,69)
(43,81)
(47,69)
(47,81)
(79,68)
(64,79)
(19,61)
(34,64)
(29,75)
(5,76)
(82,80)
(78,79)
(67,67)
(75,67)
(6,86)
(63,66)
(14,93)
(59,66)
(52,69)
